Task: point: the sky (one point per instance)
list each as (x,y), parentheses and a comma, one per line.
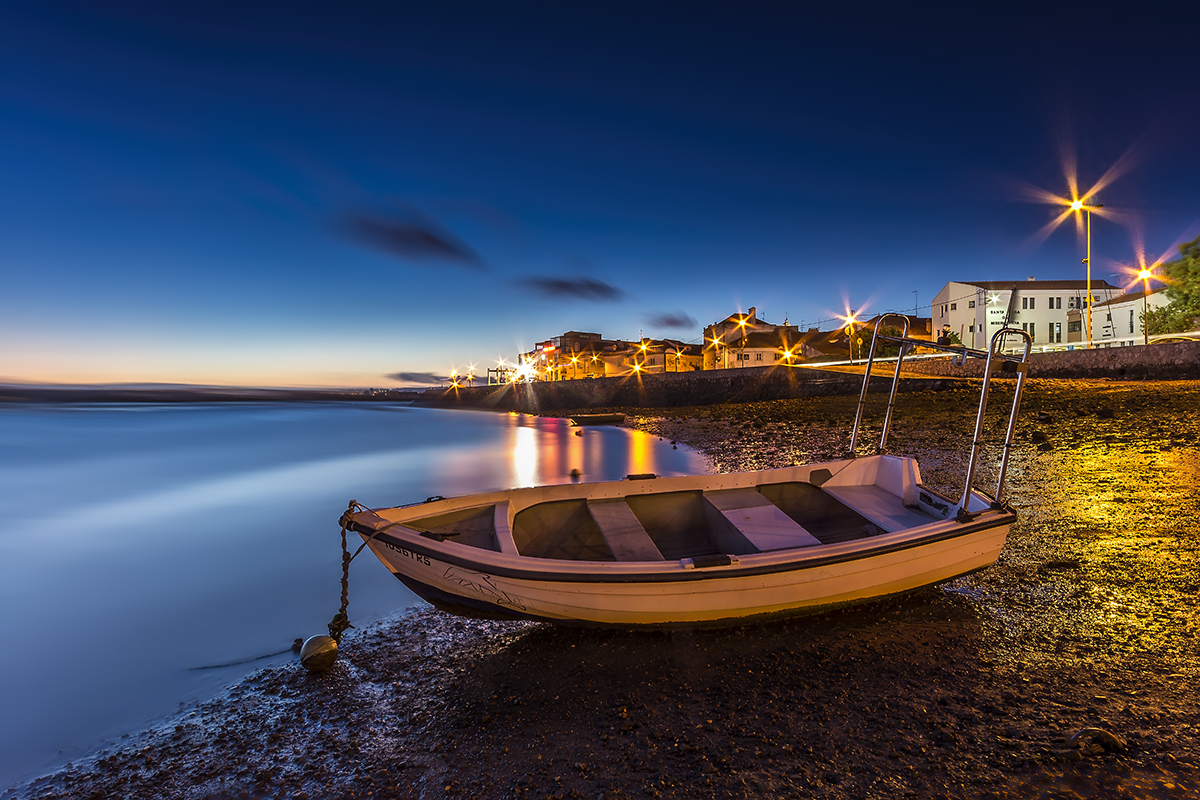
(373,194)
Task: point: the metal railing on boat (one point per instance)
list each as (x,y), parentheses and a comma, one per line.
(960,355)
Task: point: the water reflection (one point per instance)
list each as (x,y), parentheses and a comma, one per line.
(141,542)
(525,457)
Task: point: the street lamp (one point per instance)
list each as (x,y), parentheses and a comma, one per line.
(716,343)
(1079,205)
(1145,276)
(850,321)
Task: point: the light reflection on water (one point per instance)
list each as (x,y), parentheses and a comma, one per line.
(141,542)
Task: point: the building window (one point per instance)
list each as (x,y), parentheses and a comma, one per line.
(970,304)
(1057,303)
(758,356)
(954,306)
(970,329)
(1024,302)
(1074,327)
(1031,303)
(1058,329)
(1131,320)
(1028,327)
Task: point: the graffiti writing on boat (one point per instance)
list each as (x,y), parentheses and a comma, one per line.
(481,584)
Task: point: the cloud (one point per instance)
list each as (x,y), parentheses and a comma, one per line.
(422,378)
(576,288)
(412,238)
(670,319)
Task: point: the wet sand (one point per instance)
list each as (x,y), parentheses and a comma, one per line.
(970,689)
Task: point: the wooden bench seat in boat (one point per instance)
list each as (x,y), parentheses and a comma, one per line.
(880,507)
(622,531)
(759,520)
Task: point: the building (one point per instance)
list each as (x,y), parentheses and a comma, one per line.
(743,340)
(652,357)
(974,310)
(577,355)
(1121,321)
(573,355)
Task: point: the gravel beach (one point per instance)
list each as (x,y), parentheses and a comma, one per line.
(1069,669)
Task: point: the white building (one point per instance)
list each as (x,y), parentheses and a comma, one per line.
(974,310)
(1120,321)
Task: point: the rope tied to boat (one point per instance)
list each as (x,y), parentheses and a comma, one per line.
(341,620)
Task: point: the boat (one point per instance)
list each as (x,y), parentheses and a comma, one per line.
(705,549)
(597,419)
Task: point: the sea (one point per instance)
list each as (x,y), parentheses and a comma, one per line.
(152,554)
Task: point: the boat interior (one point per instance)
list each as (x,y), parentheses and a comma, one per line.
(669,526)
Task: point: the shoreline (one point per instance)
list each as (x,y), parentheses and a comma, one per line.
(972,689)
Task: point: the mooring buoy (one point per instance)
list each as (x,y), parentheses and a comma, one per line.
(319,653)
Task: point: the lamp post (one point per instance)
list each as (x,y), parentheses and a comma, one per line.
(850,321)
(1145,276)
(1079,205)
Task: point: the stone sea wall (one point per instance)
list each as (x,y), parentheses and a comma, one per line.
(656,391)
(1158,362)
(1179,361)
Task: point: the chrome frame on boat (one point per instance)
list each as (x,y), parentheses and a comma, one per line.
(960,355)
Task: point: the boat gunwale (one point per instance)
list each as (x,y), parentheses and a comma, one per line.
(777,561)
(526,496)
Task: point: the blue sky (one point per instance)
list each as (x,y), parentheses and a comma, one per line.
(329,194)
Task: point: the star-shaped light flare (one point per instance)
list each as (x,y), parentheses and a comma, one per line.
(1076,203)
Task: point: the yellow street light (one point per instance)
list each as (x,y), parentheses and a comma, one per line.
(850,320)
(1077,205)
(1145,276)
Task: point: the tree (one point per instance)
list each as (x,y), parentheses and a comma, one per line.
(1182,277)
(884,349)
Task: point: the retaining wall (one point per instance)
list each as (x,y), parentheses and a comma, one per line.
(1158,362)
(672,389)
(1179,361)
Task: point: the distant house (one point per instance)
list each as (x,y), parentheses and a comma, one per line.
(571,356)
(743,340)
(1122,318)
(840,344)
(975,310)
(652,357)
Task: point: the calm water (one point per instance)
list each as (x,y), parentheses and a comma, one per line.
(140,545)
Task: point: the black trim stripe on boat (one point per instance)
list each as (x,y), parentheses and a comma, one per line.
(676,575)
